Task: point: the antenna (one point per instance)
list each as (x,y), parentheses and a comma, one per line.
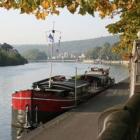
(51,36)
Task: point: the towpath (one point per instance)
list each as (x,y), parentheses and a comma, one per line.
(81,123)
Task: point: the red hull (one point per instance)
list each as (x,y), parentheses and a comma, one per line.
(30,107)
(44,101)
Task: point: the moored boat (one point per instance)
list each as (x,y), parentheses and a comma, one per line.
(53,96)
(43,102)
(98,78)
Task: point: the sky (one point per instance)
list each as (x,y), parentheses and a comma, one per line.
(16,28)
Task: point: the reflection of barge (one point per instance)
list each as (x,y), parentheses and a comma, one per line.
(45,100)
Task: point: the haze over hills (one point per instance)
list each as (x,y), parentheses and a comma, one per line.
(75,47)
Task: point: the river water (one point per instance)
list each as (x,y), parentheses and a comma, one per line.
(15,78)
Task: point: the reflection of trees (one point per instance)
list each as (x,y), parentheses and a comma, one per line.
(19,133)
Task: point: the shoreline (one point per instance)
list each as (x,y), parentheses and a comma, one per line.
(117,62)
(89,61)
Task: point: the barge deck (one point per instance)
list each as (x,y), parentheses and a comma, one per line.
(81,123)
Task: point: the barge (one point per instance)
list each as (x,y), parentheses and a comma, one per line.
(40,104)
(52,96)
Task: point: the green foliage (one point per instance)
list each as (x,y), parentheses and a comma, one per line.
(94,53)
(75,47)
(105,52)
(42,8)
(128,10)
(35,54)
(10,57)
(127,27)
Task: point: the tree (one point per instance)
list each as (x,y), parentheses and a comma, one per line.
(35,54)
(42,8)
(9,56)
(104,52)
(94,52)
(127,26)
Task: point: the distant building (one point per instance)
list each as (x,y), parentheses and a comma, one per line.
(82,56)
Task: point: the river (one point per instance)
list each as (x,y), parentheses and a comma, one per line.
(15,78)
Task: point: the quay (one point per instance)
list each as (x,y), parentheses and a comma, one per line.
(90,61)
(81,123)
(52,60)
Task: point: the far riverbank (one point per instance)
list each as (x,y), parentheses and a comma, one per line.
(86,61)
(107,62)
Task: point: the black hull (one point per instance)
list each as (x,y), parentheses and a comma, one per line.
(31,119)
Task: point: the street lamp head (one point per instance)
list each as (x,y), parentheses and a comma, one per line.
(138,34)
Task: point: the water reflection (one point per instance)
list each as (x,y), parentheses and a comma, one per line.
(19,133)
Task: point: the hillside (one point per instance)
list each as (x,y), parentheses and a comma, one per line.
(34,54)
(76,47)
(10,56)
(104,53)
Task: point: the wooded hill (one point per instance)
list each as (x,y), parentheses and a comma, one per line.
(34,54)
(10,56)
(76,47)
(104,52)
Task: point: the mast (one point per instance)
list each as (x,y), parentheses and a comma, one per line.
(75,86)
(51,37)
(53,32)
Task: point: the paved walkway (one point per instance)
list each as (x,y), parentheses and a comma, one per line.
(81,123)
